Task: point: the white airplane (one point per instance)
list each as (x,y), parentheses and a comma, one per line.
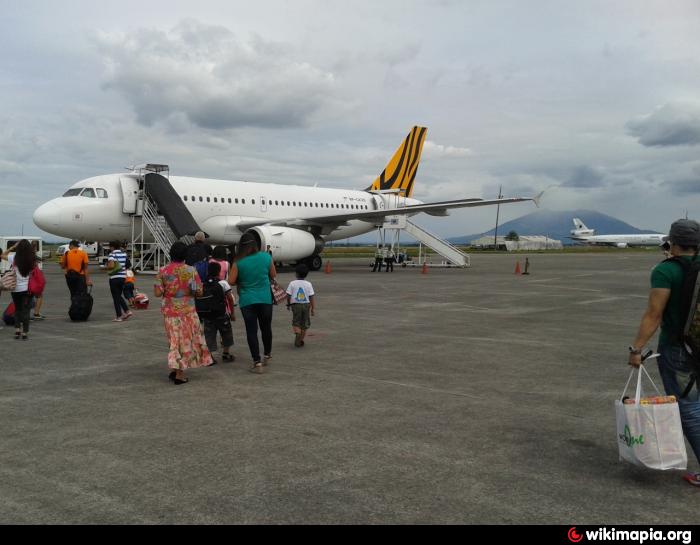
(295,221)
(581,233)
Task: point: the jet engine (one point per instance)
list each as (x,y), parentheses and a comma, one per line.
(621,245)
(288,244)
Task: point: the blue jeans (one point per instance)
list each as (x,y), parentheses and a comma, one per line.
(675,371)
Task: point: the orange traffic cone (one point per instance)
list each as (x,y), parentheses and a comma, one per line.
(517,267)
(328,267)
(425,268)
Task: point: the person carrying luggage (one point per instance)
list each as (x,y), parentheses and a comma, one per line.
(252,273)
(23,262)
(116,267)
(75,266)
(668,307)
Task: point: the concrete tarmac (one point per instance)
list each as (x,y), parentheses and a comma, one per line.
(459,396)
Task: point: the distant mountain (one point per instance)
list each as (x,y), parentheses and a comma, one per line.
(557,224)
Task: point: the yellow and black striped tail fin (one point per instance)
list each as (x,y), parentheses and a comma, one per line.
(400,173)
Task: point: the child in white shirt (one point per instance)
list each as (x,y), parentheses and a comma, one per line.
(301,299)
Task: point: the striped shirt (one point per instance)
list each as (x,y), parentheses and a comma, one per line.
(120,257)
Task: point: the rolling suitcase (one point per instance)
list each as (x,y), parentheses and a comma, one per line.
(81,306)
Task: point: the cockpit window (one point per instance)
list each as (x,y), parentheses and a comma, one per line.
(101,193)
(88,192)
(73,192)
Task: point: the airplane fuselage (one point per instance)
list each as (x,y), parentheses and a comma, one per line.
(105,210)
(652,239)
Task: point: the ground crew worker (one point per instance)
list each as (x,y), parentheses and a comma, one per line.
(378,259)
(390,259)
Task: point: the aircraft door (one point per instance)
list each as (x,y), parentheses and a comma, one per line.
(130,193)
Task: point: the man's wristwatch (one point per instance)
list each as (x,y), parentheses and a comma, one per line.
(635,351)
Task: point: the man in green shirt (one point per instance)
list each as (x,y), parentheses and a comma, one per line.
(664,309)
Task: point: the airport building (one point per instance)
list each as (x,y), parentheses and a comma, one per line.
(524,242)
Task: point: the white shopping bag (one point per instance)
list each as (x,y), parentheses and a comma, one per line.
(650,435)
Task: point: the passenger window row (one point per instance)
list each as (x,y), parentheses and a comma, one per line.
(305,204)
(216,199)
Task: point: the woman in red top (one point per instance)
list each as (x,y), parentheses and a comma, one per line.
(178,284)
(22,259)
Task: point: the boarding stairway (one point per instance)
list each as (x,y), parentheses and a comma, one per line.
(450,252)
(164,219)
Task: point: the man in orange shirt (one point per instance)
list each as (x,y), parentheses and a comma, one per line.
(75,265)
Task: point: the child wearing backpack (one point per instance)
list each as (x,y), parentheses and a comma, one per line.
(302,300)
(130,287)
(215,309)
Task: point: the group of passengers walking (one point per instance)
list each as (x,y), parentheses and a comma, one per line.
(192,338)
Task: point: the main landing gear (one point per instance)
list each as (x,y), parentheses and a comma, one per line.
(314,262)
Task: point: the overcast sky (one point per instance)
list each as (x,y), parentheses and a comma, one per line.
(599,99)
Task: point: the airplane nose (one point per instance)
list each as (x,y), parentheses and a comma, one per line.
(46,217)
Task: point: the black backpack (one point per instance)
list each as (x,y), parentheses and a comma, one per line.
(212,303)
(688,332)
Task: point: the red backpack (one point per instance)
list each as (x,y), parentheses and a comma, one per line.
(37,282)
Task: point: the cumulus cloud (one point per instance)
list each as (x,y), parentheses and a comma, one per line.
(431,150)
(212,78)
(667,125)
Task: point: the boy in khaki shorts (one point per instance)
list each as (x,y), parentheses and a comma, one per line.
(302,300)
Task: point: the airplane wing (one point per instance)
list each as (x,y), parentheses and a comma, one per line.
(331,221)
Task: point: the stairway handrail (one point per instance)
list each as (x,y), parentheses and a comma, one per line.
(443,241)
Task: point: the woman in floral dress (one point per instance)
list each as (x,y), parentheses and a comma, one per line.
(178,284)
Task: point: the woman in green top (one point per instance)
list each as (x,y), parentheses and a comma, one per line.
(252,272)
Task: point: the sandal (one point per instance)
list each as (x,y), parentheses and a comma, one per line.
(228,357)
(257,368)
(179,381)
(171,376)
(17,335)
(266,359)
